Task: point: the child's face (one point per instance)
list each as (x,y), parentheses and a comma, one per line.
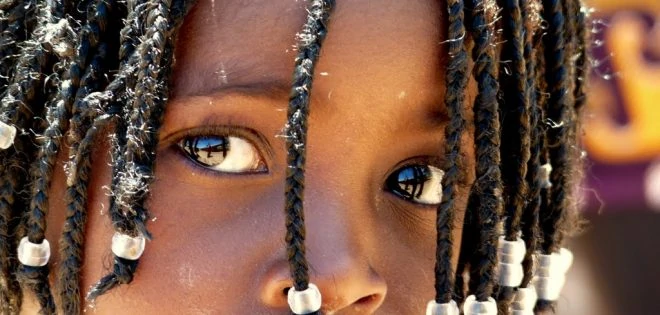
(377,106)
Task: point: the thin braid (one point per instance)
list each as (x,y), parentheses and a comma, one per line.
(72,239)
(82,79)
(514,112)
(561,116)
(128,212)
(310,40)
(530,217)
(27,82)
(456,83)
(514,93)
(18,20)
(488,185)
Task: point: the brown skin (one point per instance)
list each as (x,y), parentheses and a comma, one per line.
(218,238)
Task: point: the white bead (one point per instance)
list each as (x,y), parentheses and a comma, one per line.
(7,135)
(549,288)
(510,257)
(525,300)
(434,308)
(473,307)
(551,274)
(546,170)
(510,275)
(128,247)
(511,252)
(555,263)
(33,255)
(306,301)
(566,258)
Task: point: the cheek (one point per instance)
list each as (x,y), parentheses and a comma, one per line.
(210,249)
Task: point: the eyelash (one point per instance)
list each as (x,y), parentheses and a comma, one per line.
(249,135)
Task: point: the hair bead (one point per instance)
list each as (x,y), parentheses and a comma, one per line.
(551,274)
(7,135)
(306,301)
(524,301)
(511,255)
(435,308)
(33,255)
(128,247)
(545,171)
(474,307)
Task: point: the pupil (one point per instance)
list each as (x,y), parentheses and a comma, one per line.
(409,181)
(207,150)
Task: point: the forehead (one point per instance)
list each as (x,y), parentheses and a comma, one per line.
(374,48)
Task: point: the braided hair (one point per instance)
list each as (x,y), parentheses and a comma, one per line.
(67,76)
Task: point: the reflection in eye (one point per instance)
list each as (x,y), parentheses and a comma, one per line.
(417,183)
(226,154)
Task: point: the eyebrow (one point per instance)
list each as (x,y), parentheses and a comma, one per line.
(273,89)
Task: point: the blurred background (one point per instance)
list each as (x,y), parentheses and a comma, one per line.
(617,267)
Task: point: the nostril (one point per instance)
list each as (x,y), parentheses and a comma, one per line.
(285,291)
(367,299)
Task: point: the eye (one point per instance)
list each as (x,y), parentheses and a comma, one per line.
(417,183)
(227,154)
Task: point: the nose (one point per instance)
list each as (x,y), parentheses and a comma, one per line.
(336,245)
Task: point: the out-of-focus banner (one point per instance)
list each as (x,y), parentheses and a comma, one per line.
(622,120)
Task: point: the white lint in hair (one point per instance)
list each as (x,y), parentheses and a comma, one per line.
(59,36)
(132,184)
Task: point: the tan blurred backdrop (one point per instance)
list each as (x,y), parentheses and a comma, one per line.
(617,268)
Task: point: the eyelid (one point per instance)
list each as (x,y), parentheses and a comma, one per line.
(432,160)
(252,136)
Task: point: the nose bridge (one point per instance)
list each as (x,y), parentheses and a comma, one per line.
(338,222)
(337,214)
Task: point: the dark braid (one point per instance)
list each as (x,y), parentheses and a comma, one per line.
(559,114)
(456,82)
(144,120)
(515,122)
(561,134)
(310,40)
(17,19)
(26,88)
(488,185)
(71,242)
(514,106)
(530,216)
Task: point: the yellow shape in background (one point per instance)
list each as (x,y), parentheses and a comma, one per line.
(638,83)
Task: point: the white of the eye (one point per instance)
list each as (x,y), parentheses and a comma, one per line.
(242,156)
(432,193)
